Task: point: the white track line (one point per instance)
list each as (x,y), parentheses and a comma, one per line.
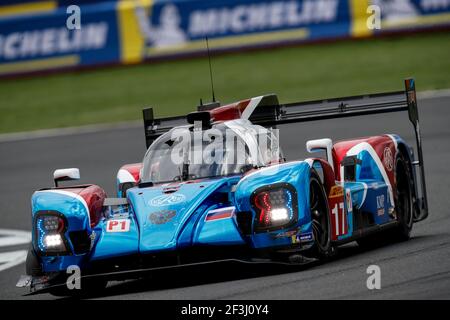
(59,132)
(10,237)
(11,259)
(47,133)
(432,94)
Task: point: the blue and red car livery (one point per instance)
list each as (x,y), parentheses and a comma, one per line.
(170,214)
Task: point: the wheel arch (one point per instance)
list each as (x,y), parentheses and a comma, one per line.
(407,153)
(325,172)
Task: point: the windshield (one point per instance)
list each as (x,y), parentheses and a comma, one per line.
(186,154)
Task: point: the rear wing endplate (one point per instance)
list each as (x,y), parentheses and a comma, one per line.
(156,127)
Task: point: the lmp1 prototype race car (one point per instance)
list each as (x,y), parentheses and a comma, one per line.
(214,186)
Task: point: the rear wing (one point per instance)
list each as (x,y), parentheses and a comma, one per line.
(155,127)
(349,107)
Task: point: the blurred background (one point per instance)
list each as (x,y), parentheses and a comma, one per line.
(103,61)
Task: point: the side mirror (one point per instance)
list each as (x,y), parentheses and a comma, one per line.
(349,163)
(66,175)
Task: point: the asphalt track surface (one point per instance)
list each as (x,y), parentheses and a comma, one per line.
(419,268)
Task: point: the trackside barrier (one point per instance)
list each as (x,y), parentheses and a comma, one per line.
(34,36)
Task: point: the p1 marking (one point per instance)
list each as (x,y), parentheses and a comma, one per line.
(118,225)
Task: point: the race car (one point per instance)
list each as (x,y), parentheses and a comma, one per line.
(214,186)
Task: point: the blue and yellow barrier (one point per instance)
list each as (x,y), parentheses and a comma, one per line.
(34,36)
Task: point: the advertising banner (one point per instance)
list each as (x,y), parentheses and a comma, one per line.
(35,37)
(413,14)
(174,27)
(43,41)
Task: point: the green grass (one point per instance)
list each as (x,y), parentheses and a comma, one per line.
(173,88)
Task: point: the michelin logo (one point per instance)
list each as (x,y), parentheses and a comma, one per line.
(261,16)
(168,33)
(238,19)
(51,41)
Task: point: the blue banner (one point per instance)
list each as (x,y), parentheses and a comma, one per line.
(413,14)
(179,25)
(43,41)
(34,36)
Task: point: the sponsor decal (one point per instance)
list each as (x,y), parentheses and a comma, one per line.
(336,191)
(306,237)
(168,33)
(286,234)
(348,197)
(161,217)
(175,25)
(380,205)
(118,225)
(299,238)
(52,41)
(388,159)
(167,199)
(249,17)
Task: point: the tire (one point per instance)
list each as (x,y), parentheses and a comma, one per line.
(320,218)
(403,198)
(88,286)
(32,265)
(404,208)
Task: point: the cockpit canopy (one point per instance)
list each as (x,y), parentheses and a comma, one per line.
(227,148)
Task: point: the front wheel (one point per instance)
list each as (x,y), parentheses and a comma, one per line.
(32,265)
(319,218)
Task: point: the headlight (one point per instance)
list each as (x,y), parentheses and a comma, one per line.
(275,206)
(50,228)
(281,214)
(53,240)
(52,223)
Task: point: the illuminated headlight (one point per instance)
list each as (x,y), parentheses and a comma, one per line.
(50,230)
(279,214)
(53,240)
(276,207)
